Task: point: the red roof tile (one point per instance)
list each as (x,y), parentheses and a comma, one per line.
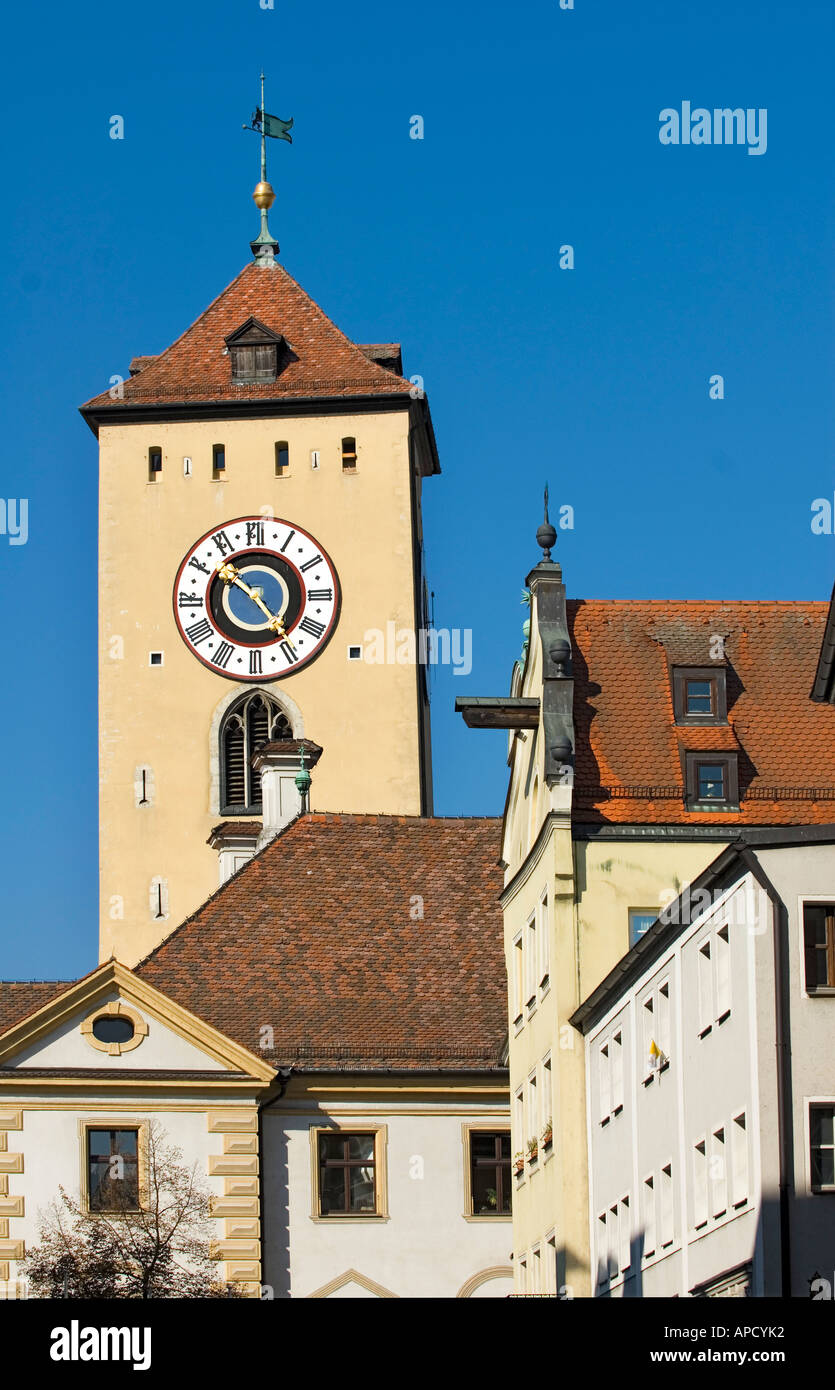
(628,765)
(319,938)
(19,998)
(197,367)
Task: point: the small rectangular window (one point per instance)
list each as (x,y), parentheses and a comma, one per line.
(723,974)
(648,1016)
(518,981)
(605,1084)
(739,1161)
(624,1234)
(349,452)
(530,964)
(819,946)
(617,1073)
(663,1025)
(698,697)
(710,781)
(347,1175)
(705,983)
(718,1174)
(113,1170)
(544,944)
(822,1147)
(699,1184)
(532,1139)
(648,1216)
(667,1212)
(613,1243)
(218,461)
(640,921)
(154,464)
(490,1185)
(282,458)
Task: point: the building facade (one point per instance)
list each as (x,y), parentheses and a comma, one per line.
(709,1084)
(643,737)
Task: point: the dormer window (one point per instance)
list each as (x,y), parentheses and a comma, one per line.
(712,781)
(699,695)
(256,352)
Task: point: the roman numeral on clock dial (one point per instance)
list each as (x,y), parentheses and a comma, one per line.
(198,632)
(310,625)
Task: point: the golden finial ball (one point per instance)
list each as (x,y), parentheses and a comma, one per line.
(264,195)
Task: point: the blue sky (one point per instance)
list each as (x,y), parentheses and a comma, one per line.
(541,129)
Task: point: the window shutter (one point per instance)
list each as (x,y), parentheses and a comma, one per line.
(234,767)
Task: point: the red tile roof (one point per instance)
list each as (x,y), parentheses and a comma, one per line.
(197,366)
(319,939)
(628,765)
(19,998)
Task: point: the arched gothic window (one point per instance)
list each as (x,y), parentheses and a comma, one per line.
(253,720)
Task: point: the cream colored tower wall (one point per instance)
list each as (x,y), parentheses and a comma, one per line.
(364,715)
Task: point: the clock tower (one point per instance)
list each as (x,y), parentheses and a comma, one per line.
(259,519)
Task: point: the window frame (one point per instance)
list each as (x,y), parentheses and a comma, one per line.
(817,1103)
(498,1128)
(239,709)
(111,1123)
(728,761)
(380,1135)
(716,678)
(826,990)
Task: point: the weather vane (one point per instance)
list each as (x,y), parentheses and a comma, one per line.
(265,246)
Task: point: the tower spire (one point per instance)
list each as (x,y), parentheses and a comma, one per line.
(265,246)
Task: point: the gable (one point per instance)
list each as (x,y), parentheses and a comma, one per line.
(162,1035)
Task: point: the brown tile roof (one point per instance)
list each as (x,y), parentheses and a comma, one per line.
(317,939)
(19,998)
(628,749)
(197,366)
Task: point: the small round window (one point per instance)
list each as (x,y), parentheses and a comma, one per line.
(113,1028)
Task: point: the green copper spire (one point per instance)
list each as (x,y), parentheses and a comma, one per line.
(265,246)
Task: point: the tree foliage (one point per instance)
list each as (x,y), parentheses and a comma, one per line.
(156,1249)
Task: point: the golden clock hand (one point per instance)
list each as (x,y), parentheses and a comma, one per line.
(229,575)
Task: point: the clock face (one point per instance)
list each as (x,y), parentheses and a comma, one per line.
(256,599)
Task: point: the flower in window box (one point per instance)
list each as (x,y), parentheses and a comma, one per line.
(533,1150)
(519,1162)
(547,1135)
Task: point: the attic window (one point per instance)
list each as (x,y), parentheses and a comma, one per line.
(349,452)
(256,362)
(712,781)
(699,695)
(254,351)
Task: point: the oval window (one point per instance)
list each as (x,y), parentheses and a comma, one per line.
(113,1028)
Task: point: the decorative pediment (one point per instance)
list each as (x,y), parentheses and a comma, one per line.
(252,333)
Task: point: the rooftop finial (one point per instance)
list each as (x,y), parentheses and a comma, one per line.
(546,536)
(265,246)
(303,781)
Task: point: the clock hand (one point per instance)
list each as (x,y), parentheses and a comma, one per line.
(229,575)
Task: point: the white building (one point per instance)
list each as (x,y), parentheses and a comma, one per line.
(710,1066)
(324,1038)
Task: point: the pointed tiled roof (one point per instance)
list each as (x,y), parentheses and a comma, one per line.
(362,941)
(629,749)
(323,362)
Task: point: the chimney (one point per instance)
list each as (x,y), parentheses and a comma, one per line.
(283,792)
